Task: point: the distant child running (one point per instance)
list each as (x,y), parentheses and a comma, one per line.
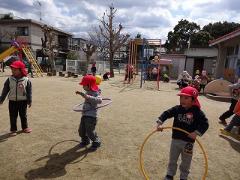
(19,90)
(89,114)
(190,118)
(235,120)
(235,93)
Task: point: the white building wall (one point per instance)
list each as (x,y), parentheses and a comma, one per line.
(9,30)
(6,31)
(201,52)
(209,65)
(178,63)
(36,35)
(189,65)
(208,54)
(181,66)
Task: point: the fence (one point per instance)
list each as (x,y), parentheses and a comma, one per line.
(75,66)
(102,67)
(78,66)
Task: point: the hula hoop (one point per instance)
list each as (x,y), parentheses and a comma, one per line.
(78,107)
(179,129)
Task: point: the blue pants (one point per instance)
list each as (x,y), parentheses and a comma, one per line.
(87,130)
(234,122)
(15,108)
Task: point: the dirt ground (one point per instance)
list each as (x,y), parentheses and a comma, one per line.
(51,151)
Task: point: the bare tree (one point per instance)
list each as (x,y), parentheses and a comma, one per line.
(12,35)
(88,50)
(112,35)
(48,45)
(96,38)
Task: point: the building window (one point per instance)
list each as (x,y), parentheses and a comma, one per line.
(22,31)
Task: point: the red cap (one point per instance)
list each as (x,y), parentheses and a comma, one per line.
(89,80)
(191,92)
(19,65)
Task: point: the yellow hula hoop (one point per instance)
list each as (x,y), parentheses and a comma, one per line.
(179,129)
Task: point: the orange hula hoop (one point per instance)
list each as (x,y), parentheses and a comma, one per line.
(179,129)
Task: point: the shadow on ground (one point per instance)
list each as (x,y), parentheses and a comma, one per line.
(55,166)
(234,143)
(4,137)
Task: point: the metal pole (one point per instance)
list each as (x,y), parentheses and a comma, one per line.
(142,59)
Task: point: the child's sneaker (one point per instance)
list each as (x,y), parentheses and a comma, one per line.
(13,133)
(95,146)
(227,133)
(223,122)
(27,130)
(168,177)
(83,144)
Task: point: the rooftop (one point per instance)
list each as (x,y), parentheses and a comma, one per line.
(225,37)
(7,21)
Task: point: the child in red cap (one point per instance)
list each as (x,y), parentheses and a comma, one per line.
(234,122)
(190,118)
(19,90)
(235,93)
(89,114)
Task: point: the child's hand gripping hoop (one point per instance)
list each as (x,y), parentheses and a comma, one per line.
(179,129)
(105,102)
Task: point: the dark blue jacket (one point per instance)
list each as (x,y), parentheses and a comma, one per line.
(190,120)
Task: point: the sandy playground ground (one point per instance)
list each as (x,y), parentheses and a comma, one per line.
(51,151)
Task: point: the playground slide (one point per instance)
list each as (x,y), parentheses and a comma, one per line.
(8,52)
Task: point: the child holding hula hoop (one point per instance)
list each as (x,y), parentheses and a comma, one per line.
(189,117)
(89,113)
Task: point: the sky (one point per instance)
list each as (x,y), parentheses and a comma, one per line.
(151,18)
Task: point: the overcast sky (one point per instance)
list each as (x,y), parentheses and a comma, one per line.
(151,18)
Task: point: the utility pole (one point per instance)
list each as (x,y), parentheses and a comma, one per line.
(40,9)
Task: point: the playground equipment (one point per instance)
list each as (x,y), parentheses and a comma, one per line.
(138,57)
(218,90)
(140,51)
(21,47)
(7,52)
(130,69)
(32,61)
(178,129)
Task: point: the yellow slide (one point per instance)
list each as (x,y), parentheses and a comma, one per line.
(8,52)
